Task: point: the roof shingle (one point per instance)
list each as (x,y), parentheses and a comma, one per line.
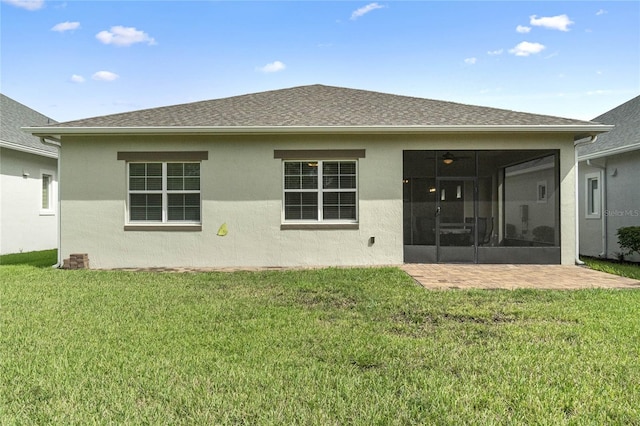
(319,105)
(13,116)
(626,118)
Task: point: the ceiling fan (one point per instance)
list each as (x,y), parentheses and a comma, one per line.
(448,158)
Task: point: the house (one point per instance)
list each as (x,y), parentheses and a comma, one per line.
(318,175)
(609,172)
(28,182)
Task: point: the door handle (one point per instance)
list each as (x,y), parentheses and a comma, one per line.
(437,211)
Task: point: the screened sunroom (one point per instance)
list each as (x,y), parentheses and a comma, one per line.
(481,206)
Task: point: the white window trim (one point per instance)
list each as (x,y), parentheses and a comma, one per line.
(320,191)
(165,193)
(588,178)
(53,196)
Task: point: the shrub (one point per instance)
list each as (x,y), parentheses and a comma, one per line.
(629,239)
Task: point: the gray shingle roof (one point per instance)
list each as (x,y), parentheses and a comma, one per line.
(626,118)
(13,116)
(319,105)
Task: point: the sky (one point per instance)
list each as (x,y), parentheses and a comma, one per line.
(76,59)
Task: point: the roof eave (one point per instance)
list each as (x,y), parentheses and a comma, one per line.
(609,152)
(578,130)
(28,149)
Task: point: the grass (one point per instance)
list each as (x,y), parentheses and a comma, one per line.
(38,259)
(624,269)
(331,346)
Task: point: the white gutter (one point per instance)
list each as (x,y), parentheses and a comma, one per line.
(56,143)
(608,152)
(28,149)
(603,218)
(591,139)
(226,130)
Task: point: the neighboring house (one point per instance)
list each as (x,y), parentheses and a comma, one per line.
(609,181)
(318,175)
(28,182)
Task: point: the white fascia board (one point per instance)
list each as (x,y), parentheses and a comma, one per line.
(609,152)
(247,130)
(28,149)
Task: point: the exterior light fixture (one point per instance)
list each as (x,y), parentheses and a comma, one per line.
(448,158)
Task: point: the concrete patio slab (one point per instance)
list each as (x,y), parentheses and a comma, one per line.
(551,277)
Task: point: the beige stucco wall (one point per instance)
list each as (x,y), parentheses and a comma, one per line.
(24,225)
(242,186)
(619,176)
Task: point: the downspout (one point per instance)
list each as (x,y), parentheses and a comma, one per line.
(57,144)
(592,139)
(604,206)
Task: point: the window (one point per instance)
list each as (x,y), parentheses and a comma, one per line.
(542,191)
(320,191)
(164,192)
(47,194)
(593,196)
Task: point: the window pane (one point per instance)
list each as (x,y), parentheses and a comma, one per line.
(330,168)
(192,213)
(292,212)
(292,168)
(292,182)
(154,169)
(331,198)
(154,184)
(331,212)
(145,207)
(291,198)
(192,183)
(309,182)
(310,168)
(309,213)
(348,198)
(348,182)
(174,184)
(347,212)
(330,182)
(137,169)
(175,169)
(310,199)
(137,184)
(183,207)
(192,169)
(348,168)
(46,182)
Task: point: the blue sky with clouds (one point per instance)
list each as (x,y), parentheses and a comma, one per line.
(75,59)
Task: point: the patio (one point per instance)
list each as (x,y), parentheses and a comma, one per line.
(551,277)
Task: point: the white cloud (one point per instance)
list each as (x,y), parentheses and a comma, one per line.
(523,29)
(365,9)
(601,12)
(273,67)
(526,48)
(495,52)
(560,22)
(124,36)
(26,4)
(470,61)
(105,76)
(66,26)
(75,78)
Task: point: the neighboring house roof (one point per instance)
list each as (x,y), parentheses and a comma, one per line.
(624,137)
(13,116)
(315,107)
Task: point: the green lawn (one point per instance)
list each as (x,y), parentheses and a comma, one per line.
(332,346)
(629,270)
